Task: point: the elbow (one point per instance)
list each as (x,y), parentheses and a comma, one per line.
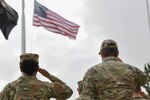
(68,94)
(65,94)
(63,91)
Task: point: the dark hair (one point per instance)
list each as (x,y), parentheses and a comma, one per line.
(107,52)
(29,66)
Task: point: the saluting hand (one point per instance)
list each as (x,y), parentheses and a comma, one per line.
(43,72)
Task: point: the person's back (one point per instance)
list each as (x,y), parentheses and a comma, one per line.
(30,88)
(112,79)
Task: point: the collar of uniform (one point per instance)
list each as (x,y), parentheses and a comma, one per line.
(28,76)
(110,59)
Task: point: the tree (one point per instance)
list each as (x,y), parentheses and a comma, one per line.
(147,71)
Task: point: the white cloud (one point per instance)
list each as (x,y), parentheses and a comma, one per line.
(122,20)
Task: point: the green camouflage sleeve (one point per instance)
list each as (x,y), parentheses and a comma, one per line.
(7,93)
(88,87)
(58,89)
(140,77)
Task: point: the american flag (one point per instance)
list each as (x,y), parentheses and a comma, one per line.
(53,22)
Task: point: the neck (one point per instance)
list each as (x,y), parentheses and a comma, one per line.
(25,74)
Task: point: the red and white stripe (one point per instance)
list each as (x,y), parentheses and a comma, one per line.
(57,24)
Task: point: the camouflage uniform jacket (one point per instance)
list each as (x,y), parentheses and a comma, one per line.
(30,88)
(111,80)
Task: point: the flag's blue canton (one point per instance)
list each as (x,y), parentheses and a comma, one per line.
(40,10)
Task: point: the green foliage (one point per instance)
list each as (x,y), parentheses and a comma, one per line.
(147,71)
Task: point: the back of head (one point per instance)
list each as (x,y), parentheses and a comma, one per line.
(109,48)
(29,63)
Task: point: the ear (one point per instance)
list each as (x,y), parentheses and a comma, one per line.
(117,53)
(102,55)
(37,68)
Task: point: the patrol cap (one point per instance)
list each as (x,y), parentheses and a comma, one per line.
(108,43)
(29,56)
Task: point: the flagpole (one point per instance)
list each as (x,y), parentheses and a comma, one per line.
(23,36)
(148,13)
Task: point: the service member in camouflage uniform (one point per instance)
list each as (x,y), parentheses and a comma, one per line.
(28,87)
(112,79)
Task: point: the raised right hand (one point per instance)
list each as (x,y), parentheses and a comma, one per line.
(43,72)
